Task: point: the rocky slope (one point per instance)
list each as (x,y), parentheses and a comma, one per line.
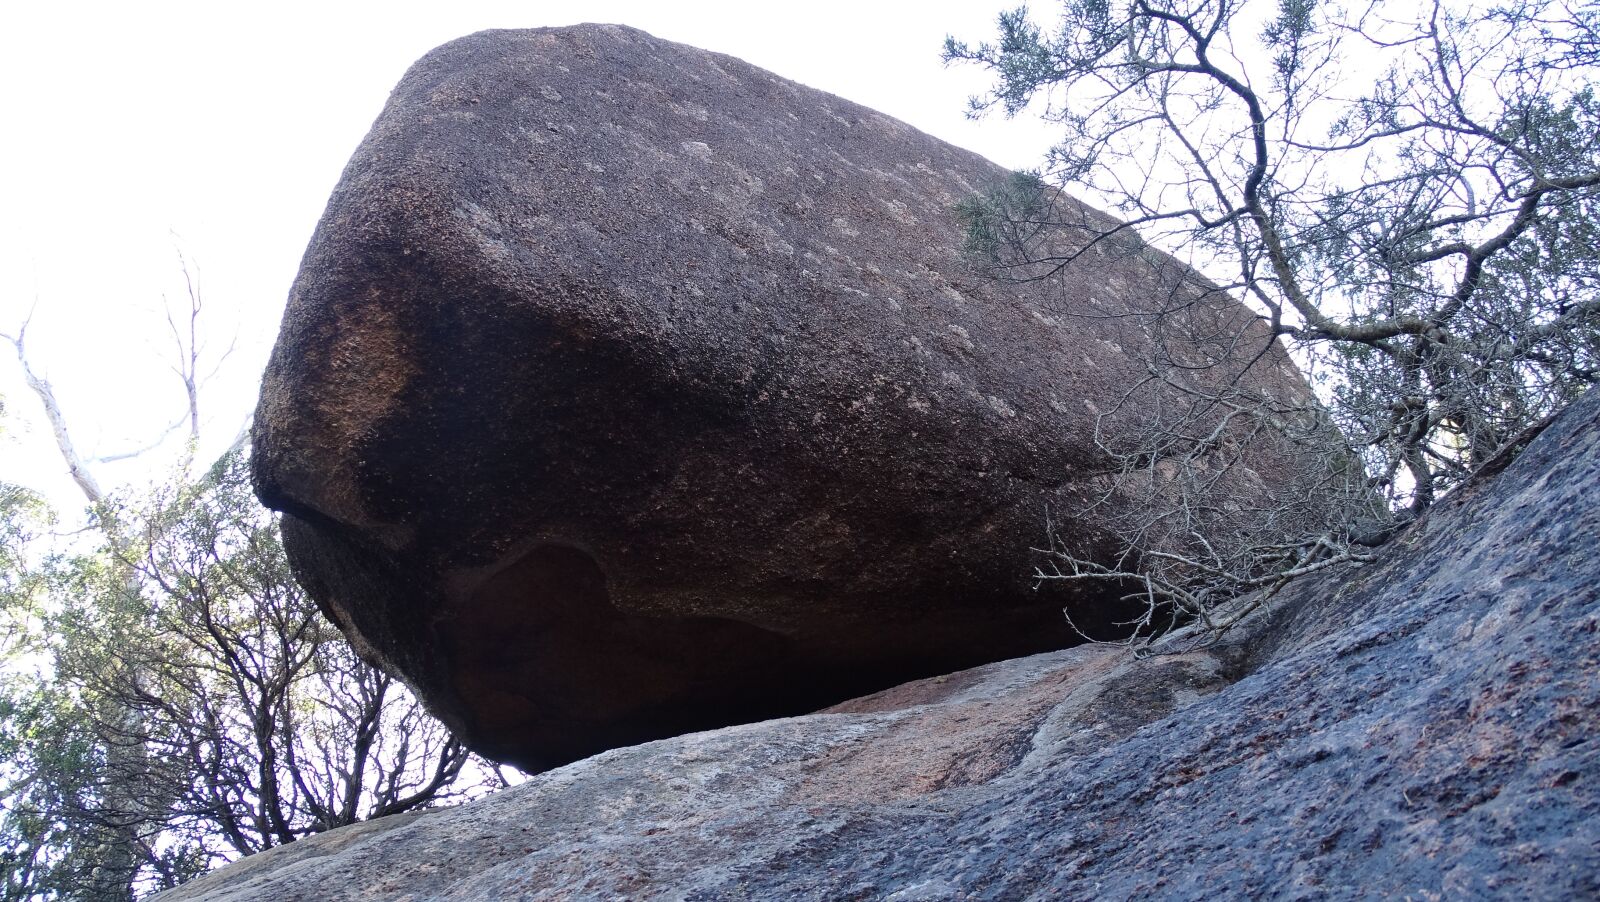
(627,389)
(1427,727)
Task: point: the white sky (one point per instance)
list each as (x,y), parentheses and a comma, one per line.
(135,130)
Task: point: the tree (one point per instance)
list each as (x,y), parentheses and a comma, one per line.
(246,720)
(179,701)
(1405,194)
(30,846)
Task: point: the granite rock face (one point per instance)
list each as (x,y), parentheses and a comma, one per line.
(1427,727)
(627,389)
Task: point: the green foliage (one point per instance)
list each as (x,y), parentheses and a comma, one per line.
(187,704)
(56,764)
(1007,216)
(46,757)
(23,515)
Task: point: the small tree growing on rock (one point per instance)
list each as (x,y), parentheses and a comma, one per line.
(1406,196)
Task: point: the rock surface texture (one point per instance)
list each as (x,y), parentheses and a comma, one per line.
(627,389)
(1427,727)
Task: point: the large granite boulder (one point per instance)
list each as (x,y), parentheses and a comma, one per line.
(627,389)
(1427,728)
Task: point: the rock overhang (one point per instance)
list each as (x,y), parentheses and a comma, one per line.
(624,377)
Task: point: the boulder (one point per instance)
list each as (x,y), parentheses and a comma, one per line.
(1426,727)
(627,389)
